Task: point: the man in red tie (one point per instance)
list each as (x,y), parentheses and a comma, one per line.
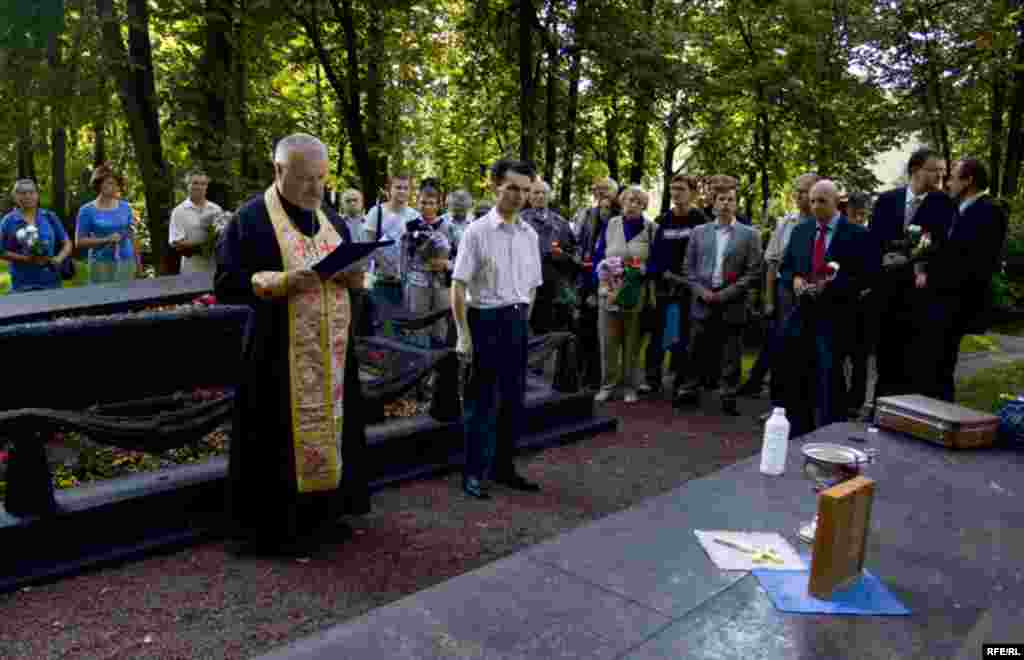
(825,266)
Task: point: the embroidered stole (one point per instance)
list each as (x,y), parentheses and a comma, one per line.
(318,323)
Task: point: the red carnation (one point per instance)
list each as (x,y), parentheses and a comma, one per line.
(731,278)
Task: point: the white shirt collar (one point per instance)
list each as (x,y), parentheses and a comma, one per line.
(192,205)
(964,205)
(911,196)
(497,221)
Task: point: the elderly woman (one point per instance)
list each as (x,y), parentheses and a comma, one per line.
(621,254)
(106,228)
(33,240)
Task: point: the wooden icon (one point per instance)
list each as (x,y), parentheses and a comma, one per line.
(844,518)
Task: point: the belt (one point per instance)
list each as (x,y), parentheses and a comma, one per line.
(515,312)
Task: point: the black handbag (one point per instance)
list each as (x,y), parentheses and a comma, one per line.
(67,267)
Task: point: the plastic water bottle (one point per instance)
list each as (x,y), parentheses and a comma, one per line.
(776,443)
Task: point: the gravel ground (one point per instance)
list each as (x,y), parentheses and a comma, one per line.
(204,603)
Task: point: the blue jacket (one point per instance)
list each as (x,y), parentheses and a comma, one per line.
(851,248)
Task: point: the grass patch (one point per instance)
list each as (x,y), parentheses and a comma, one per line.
(979,344)
(81,277)
(982,390)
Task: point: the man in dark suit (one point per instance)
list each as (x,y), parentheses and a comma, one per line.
(956,281)
(723,262)
(920,203)
(824,265)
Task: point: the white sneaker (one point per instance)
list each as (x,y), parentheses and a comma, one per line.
(630,396)
(603,394)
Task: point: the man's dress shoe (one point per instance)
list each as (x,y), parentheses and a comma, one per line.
(474,489)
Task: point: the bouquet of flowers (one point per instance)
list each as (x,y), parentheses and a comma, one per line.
(816,281)
(28,239)
(920,242)
(622,280)
(610,276)
(215,223)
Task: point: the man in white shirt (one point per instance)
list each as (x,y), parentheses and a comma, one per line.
(497,272)
(192,224)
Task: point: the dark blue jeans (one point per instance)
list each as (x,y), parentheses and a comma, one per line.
(498,370)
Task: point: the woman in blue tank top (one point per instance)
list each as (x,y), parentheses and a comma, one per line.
(106,228)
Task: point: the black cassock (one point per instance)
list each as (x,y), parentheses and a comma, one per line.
(264,504)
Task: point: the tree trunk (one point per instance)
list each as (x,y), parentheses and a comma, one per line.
(550,128)
(137,91)
(342,146)
(1015,133)
(375,98)
(214,151)
(247,164)
(640,130)
(668,164)
(26,162)
(527,84)
(569,151)
(611,137)
(934,90)
(996,129)
(766,157)
(58,169)
(348,93)
(58,134)
(99,147)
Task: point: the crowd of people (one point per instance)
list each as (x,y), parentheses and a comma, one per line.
(840,280)
(690,282)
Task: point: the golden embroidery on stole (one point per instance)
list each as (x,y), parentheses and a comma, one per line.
(318,323)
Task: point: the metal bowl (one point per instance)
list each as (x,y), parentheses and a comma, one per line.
(828,464)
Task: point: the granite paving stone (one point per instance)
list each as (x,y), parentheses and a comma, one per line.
(741,623)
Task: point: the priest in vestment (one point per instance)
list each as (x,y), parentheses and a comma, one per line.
(298,441)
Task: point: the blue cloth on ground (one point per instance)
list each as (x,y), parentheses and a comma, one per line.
(866,596)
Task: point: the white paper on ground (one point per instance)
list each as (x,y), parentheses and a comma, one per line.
(731,559)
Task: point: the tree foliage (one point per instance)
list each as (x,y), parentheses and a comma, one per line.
(640,91)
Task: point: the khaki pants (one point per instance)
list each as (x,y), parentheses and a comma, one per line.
(621,349)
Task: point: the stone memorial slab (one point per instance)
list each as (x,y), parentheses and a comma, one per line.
(112,298)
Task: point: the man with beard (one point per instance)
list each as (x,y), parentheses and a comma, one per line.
(298,438)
